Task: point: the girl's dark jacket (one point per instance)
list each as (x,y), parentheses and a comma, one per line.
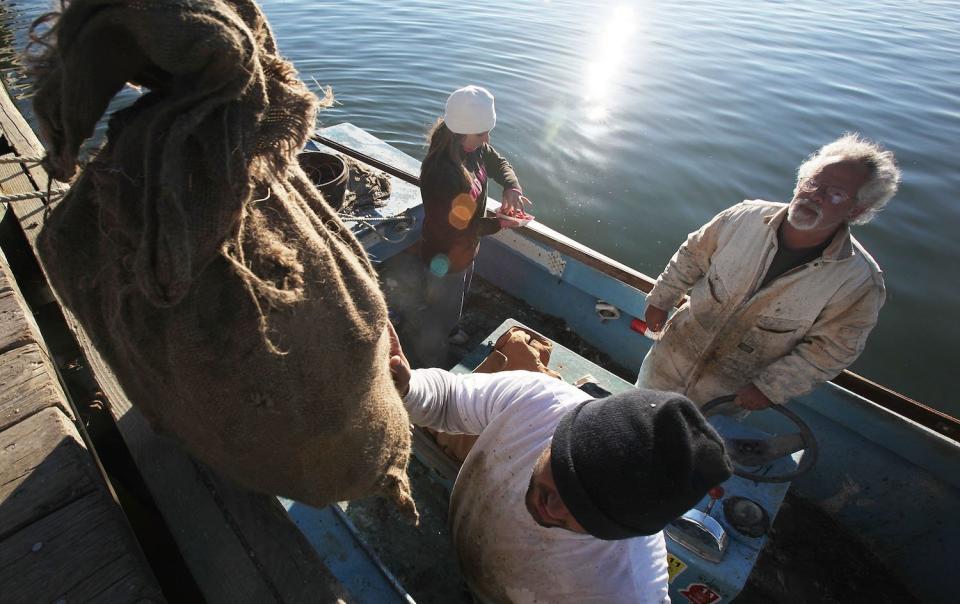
(453,213)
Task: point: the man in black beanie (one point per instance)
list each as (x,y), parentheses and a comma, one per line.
(563,498)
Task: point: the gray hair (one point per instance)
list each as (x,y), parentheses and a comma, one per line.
(881,184)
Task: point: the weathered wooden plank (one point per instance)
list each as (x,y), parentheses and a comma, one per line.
(112,584)
(7,280)
(79,553)
(28,384)
(16,326)
(238,545)
(21,137)
(43,466)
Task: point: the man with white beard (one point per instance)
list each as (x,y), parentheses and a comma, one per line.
(782,297)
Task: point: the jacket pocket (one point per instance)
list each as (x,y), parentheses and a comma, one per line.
(774,337)
(708,299)
(853,339)
(775,325)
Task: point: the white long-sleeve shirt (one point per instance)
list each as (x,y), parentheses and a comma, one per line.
(506,556)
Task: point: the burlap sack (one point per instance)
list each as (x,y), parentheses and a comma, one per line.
(236,310)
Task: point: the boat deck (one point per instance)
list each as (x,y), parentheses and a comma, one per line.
(808,558)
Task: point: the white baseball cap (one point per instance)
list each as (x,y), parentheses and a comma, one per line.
(470,111)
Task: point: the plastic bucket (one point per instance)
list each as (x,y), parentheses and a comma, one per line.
(329,173)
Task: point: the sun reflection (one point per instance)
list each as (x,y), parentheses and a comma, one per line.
(608,62)
(616,49)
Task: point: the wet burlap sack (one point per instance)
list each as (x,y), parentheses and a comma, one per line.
(236,310)
(518,348)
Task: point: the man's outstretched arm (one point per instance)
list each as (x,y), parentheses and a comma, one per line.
(455,403)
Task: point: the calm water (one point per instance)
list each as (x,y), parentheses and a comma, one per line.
(632,123)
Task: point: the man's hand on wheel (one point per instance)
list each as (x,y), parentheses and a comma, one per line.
(749,397)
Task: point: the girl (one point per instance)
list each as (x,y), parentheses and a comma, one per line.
(453,184)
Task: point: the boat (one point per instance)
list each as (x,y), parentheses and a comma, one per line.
(887,473)
(888,468)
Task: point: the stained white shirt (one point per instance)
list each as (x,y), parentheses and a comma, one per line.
(505,556)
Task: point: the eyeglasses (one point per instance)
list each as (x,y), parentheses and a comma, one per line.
(835,195)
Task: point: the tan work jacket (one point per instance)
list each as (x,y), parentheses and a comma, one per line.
(800,330)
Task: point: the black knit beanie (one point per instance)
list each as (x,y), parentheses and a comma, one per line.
(627,464)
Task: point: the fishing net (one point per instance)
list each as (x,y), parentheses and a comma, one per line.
(368,188)
(236,310)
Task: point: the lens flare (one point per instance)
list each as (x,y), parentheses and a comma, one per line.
(461,211)
(440,265)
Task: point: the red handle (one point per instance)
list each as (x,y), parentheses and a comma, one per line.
(639,326)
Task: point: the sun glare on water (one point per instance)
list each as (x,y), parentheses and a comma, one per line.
(609,58)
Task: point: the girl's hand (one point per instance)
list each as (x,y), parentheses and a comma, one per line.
(514,200)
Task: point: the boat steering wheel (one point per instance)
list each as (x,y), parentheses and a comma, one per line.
(758,452)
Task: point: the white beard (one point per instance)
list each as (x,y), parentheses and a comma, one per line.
(804,221)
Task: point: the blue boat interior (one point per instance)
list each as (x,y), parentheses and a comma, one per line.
(714,555)
(889,481)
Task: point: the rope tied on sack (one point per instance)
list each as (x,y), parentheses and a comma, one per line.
(230,76)
(45,195)
(22,160)
(48,197)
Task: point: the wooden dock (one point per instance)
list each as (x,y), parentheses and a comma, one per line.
(63,536)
